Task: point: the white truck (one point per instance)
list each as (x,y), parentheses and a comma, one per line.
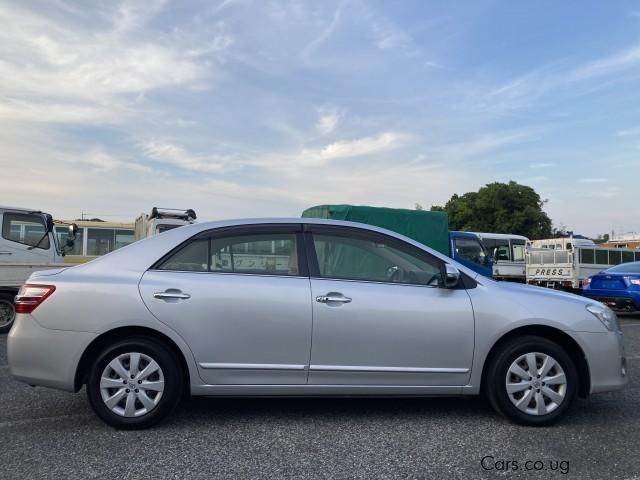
(564,263)
(27,244)
(162,219)
(508,254)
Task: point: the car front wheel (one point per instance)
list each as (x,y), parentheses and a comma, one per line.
(134,383)
(532,380)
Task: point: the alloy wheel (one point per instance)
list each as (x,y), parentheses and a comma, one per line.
(132,384)
(536,383)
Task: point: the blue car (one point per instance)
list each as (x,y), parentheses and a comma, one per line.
(618,287)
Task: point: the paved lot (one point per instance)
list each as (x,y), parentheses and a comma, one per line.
(50,434)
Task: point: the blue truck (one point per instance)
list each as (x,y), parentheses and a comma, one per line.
(428,228)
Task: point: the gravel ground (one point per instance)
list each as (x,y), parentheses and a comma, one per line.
(50,434)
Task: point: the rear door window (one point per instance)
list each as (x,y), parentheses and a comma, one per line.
(258,253)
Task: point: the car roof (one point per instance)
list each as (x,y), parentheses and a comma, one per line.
(500,236)
(625,264)
(19,209)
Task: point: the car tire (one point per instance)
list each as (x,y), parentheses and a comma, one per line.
(537,399)
(7,312)
(142,401)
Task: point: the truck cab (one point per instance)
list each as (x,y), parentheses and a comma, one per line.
(27,237)
(27,244)
(508,254)
(467,249)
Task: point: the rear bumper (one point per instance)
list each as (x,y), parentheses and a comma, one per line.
(41,356)
(607,364)
(618,300)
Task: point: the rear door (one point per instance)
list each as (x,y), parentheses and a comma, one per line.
(240,297)
(379,315)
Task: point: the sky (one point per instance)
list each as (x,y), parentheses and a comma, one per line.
(241,108)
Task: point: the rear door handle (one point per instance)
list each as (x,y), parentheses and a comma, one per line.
(333,297)
(172,294)
(6,253)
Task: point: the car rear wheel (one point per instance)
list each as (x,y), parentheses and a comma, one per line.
(135,383)
(7,312)
(532,380)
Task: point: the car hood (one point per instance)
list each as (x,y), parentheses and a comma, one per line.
(543,293)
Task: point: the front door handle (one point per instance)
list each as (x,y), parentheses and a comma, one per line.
(6,253)
(333,297)
(172,294)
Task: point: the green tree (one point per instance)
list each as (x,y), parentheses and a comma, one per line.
(499,208)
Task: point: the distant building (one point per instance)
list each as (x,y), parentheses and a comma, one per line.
(628,240)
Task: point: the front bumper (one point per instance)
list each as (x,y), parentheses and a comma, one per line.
(42,356)
(605,357)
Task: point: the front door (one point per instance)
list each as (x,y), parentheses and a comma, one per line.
(380,316)
(241,302)
(25,239)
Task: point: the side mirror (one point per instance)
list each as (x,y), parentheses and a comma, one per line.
(73,231)
(451,276)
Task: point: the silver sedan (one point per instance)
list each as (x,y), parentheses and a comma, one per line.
(304,307)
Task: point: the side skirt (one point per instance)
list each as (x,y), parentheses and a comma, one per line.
(327,390)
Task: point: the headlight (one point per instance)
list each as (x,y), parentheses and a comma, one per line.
(605,315)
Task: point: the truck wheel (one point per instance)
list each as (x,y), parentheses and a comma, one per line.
(7,312)
(532,380)
(135,383)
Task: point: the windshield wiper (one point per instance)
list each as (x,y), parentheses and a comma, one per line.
(46,234)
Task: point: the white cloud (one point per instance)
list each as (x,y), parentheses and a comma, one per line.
(171,154)
(327,121)
(629,132)
(380,143)
(608,192)
(537,179)
(387,36)
(480,144)
(527,89)
(610,65)
(325,34)
(101,161)
(593,180)
(65,72)
(542,165)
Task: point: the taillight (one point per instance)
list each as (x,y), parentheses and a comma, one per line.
(30,296)
(586,282)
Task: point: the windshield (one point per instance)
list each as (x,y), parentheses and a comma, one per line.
(472,250)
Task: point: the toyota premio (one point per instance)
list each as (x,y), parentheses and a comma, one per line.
(304,307)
